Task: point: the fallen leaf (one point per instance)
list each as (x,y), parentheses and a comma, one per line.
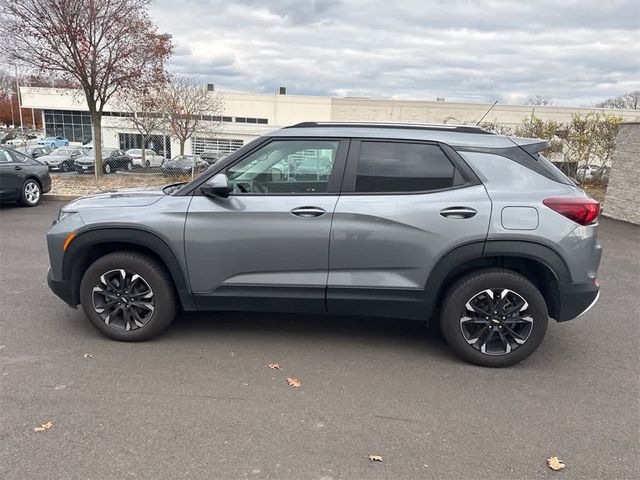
(375,458)
(43,427)
(294,382)
(555,463)
(88,355)
(275,366)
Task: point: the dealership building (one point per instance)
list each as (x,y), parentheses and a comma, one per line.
(248,115)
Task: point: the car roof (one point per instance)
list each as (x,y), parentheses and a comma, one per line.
(454,135)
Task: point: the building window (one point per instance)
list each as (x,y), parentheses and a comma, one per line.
(226,145)
(73,125)
(262,121)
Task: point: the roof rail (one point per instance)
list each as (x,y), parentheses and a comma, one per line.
(404,126)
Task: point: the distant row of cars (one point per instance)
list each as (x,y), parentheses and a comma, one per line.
(82,160)
(69,159)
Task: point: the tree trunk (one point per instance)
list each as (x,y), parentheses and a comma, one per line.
(96,124)
(182,142)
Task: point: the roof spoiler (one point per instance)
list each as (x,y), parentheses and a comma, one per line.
(531,145)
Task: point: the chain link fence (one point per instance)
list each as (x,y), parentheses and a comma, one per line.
(125,162)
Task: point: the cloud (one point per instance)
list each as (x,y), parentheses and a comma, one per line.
(576,52)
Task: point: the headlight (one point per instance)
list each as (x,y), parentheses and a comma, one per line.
(64,214)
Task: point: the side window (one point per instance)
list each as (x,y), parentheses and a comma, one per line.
(285,166)
(402,167)
(5,157)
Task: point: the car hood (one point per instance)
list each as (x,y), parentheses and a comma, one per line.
(54,158)
(128,197)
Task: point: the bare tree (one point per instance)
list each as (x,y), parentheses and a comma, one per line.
(541,100)
(191,109)
(630,101)
(146,110)
(7,90)
(103,45)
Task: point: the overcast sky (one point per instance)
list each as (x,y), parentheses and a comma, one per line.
(575,52)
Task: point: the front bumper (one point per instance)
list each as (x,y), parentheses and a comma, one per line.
(576,299)
(61,289)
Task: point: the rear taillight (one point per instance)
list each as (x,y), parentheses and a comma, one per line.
(584,211)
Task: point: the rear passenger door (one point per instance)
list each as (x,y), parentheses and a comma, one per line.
(404,204)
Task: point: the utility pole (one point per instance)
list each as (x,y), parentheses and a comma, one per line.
(18,93)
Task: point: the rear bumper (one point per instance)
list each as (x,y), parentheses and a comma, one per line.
(61,289)
(576,299)
(46,183)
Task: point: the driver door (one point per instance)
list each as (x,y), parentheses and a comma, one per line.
(266,246)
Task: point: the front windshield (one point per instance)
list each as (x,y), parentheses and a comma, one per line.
(63,151)
(135,151)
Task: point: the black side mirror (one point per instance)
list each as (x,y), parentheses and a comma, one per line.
(217,186)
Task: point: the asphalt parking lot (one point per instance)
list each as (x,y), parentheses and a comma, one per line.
(201,402)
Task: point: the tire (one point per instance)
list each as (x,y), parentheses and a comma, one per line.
(150,275)
(498,348)
(64,167)
(30,193)
(106,169)
(129,166)
(147,164)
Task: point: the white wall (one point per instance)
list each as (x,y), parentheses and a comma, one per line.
(282,110)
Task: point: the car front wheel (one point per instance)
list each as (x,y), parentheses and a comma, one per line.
(30,194)
(494,317)
(107,168)
(128,296)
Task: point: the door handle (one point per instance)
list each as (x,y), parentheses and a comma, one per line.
(17,167)
(458,212)
(308,212)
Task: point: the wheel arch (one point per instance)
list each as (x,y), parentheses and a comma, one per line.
(32,177)
(539,263)
(89,245)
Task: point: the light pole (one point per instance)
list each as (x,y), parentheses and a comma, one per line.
(18,93)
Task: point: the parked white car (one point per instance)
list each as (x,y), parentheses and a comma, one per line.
(586,172)
(151,158)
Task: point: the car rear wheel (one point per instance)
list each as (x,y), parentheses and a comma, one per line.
(64,167)
(30,194)
(107,168)
(128,296)
(147,164)
(129,166)
(494,317)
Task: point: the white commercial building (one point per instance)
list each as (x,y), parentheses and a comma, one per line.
(249,115)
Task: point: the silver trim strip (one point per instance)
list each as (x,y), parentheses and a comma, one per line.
(595,300)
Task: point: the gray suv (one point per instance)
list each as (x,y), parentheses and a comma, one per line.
(430,222)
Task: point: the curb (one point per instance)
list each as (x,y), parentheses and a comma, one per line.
(59,198)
